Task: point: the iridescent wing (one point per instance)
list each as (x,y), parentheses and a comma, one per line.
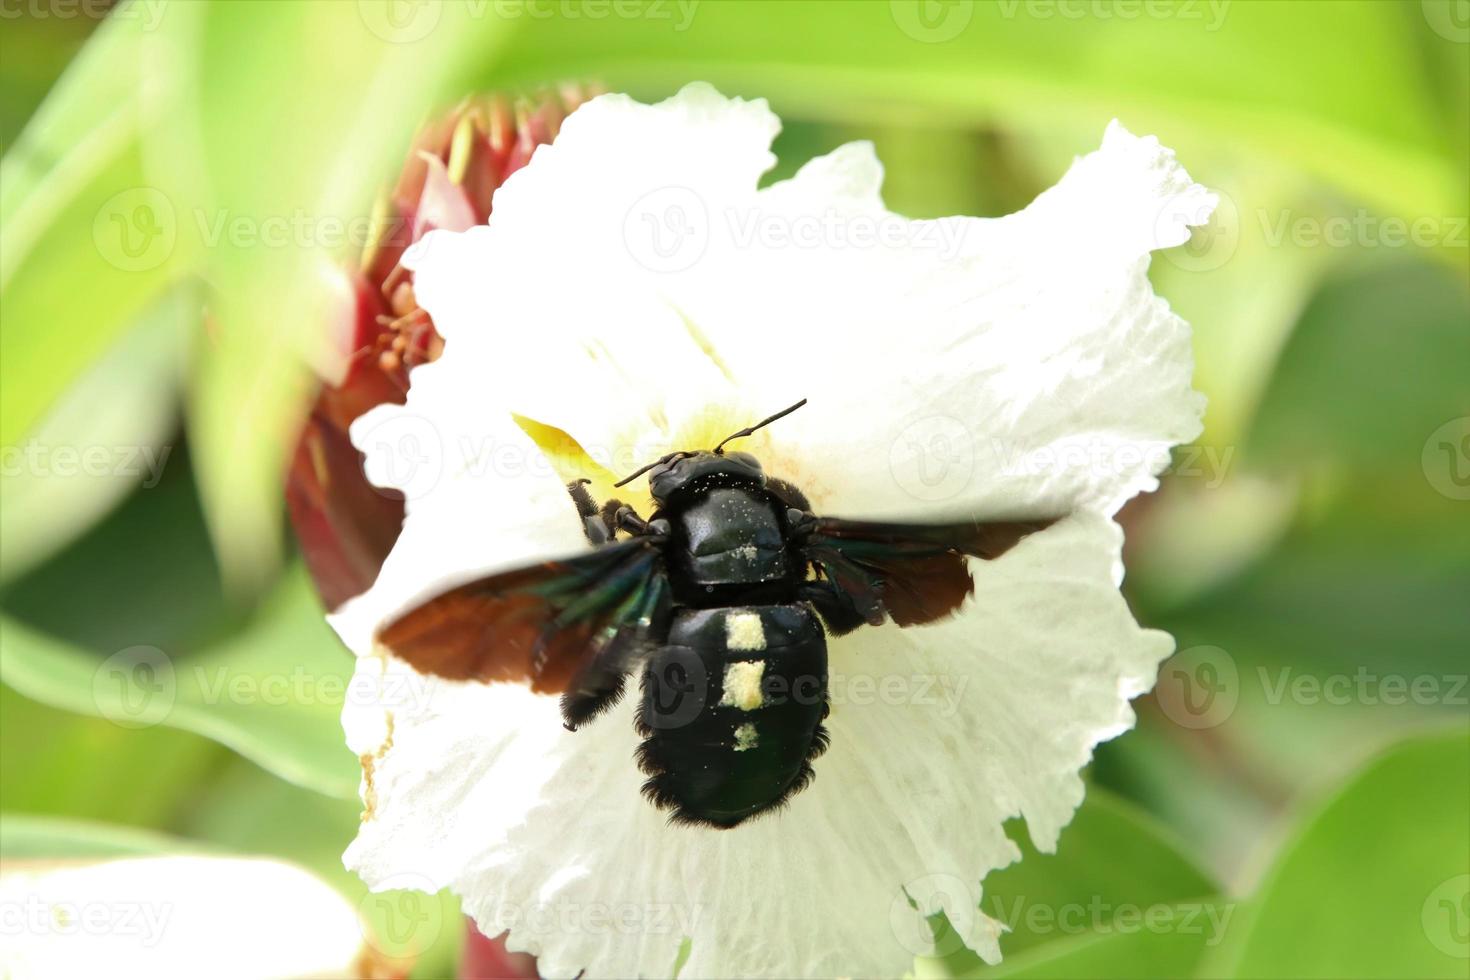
(550,626)
(913,573)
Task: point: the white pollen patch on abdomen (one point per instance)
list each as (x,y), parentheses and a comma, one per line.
(745,631)
(743,685)
(746,737)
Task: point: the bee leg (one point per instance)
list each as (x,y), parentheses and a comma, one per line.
(594,523)
(839,613)
(599,685)
(620,517)
(585,702)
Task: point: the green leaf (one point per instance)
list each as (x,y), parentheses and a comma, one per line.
(33,55)
(108,434)
(1394,336)
(84,254)
(1349,107)
(1346,633)
(177,606)
(1112,854)
(280,168)
(273,692)
(1112,865)
(1166,942)
(1376,883)
(88,239)
(27,837)
(172,149)
(87,767)
(98,88)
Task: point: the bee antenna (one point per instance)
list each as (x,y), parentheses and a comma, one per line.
(748,430)
(639,472)
(718,449)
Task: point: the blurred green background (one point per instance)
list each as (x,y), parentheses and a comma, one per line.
(1305,761)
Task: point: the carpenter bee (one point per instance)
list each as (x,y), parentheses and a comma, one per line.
(722,598)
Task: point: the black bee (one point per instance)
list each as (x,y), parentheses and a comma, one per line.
(721,598)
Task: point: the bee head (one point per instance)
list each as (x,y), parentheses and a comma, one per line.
(687,470)
(679,472)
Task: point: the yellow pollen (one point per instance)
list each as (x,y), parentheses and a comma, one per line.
(745,631)
(746,737)
(743,685)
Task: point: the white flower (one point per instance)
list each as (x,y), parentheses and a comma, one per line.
(635,293)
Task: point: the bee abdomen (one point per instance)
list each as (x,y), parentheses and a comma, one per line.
(732,710)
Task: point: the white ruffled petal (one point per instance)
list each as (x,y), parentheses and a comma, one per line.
(569,275)
(963,365)
(638,291)
(939,735)
(960,364)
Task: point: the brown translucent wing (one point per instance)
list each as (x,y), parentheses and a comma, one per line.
(539,625)
(914,573)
